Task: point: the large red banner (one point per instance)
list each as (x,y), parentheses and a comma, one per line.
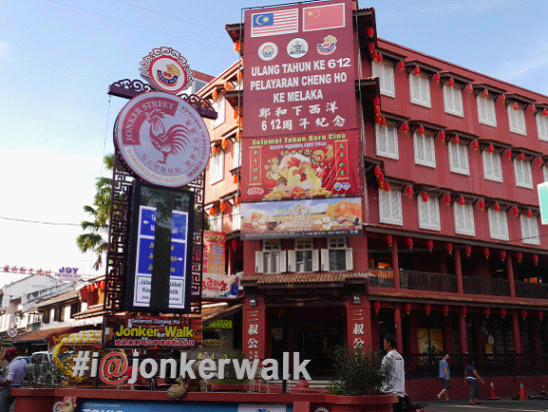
(299,69)
(300,166)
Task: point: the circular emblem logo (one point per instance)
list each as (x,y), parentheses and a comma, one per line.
(268,51)
(297,48)
(168,74)
(162,139)
(12,332)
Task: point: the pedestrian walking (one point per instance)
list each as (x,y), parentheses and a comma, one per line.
(471,375)
(445,377)
(393,365)
(17,369)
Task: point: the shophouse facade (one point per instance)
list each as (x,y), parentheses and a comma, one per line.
(452,256)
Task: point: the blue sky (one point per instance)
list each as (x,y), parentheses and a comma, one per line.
(58,57)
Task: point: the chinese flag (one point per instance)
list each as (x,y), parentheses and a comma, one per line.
(323,17)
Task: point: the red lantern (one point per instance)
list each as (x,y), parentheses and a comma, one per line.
(470,88)
(529,213)
(447,198)
(540,315)
(461,200)
(442,136)
(383,121)
(490,148)
(482,205)
(374,55)
(234,243)
(222,206)
(377,171)
(516,106)
(215,94)
(467,251)
(213,150)
(376,306)
(238,200)
(401,66)
(486,253)
(224,143)
(463,311)
(545,112)
(522,157)
(503,98)
(437,77)
(235,179)
(475,145)
(386,187)
(427,309)
(535,259)
(487,312)
(539,161)
(371,47)
(449,248)
(88,287)
(424,197)
(370,32)
(238,135)
(417,70)
(405,127)
(409,191)
(445,310)
(457,140)
(376,102)
(451,82)
(485,93)
(515,210)
(237,46)
(519,257)
(381,178)
(523,314)
(235,113)
(421,130)
(227,86)
(407,308)
(211,211)
(409,243)
(503,313)
(497,207)
(503,255)
(379,57)
(102,284)
(388,239)
(508,153)
(429,245)
(533,109)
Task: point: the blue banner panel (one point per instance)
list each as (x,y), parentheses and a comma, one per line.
(149,406)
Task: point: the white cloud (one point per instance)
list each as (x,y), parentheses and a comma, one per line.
(5,51)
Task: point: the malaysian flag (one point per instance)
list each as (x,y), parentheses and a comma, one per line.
(275,22)
(330,16)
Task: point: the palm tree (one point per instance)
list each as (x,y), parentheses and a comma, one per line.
(93,239)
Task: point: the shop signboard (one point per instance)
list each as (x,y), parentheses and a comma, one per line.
(159,262)
(214,252)
(301,218)
(92,405)
(308,165)
(152,332)
(220,286)
(299,69)
(166,69)
(219,324)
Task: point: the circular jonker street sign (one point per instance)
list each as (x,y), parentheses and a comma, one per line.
(162,139)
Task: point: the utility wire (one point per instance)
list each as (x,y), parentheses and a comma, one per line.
(13,219)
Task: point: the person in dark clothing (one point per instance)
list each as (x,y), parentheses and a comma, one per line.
(471,375)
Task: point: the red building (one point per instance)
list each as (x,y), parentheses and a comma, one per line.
(452,257)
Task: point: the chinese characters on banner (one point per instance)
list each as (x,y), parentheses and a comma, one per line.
(299,69)
(215,282)
(289,167)
(358,327)
(251,346)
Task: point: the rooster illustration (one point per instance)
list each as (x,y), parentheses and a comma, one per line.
(170,142)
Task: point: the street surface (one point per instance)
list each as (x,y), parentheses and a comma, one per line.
(489,406)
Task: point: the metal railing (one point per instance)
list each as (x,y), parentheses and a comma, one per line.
(380,277)
(427,366)
(442,282)
(486,286)
(531,290)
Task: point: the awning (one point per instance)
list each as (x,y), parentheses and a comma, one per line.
(218,312)
(42,335)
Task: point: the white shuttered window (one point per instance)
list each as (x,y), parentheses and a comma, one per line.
(486,111)
(216,167)
(236,154)
(529,230)
(429,213)
(452,100)
(419,89)
(542,126)
(337,257)
(219,106)
(385,72)
(458,158)
(424,149)
(236,218)
(516,118)
(498,224)
(387,140)
(464,219)
(272,259)
(492,169)
(390,206)
(522,171)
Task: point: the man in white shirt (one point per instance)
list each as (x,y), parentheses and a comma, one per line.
(394,367)
(17,369)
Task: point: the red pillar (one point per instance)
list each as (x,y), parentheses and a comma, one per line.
(358,321)
(395,264)
(397,325)
(510,271)
(463,337)
(517,337)
(458,270)
(254,327)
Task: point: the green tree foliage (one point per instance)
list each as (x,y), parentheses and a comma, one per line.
(96,229)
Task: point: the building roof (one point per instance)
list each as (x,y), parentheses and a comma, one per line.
(61,298)
(219,311)
(304,278)
(42,334)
